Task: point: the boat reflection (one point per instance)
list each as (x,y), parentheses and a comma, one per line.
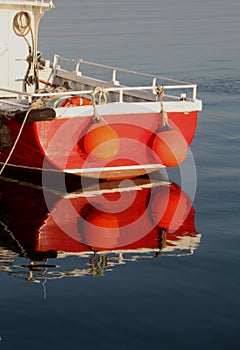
(103,226)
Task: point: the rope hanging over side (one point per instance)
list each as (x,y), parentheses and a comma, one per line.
(102,98)
(15,142)
(159,96)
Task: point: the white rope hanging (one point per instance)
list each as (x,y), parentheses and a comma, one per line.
(101,100)
(159,96)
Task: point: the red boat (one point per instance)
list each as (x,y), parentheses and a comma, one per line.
(65,120)
(114,224)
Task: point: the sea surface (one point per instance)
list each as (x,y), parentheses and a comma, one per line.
(183,297)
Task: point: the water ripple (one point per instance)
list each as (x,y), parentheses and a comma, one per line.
(224,84)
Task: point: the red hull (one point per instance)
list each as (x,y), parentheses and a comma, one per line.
(59,144)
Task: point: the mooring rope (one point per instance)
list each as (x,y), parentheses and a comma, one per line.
(101,100)
(159,96)
(15,142)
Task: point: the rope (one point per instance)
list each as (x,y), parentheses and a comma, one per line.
(101,100)
(159,96)
(11,234)
(16,141)
(22,27)
(22,24)
(38,104)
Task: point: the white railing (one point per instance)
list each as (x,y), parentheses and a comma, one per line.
(120,90)
(80,62)
(168,83)
(154,80)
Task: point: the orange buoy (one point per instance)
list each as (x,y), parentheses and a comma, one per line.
(101,142)
(170,207)
(101,230)
(170,147)
(75,101)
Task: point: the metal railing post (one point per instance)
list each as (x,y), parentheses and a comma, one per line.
(78,63)
(121,95)
(114,80)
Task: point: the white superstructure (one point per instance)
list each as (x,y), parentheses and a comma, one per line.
(18,45)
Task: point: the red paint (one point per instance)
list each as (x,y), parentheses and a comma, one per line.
(60,143)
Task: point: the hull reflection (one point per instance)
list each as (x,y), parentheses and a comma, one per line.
(104,225)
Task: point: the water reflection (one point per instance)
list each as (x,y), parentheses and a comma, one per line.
(100,227)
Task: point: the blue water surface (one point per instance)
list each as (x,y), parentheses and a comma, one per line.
(188,302)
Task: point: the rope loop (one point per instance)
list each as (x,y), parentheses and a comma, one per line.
(102,99)
(159,92)
(22,26)
(22,23)
(164,116)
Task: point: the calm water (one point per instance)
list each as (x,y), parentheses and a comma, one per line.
(190,301)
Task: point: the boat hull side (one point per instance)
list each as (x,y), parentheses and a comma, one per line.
(59,144)
(27,152)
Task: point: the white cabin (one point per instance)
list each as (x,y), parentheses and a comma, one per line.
(15,43)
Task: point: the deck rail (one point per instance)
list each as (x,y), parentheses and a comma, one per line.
(113,85)
(120,90)
(169,84)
